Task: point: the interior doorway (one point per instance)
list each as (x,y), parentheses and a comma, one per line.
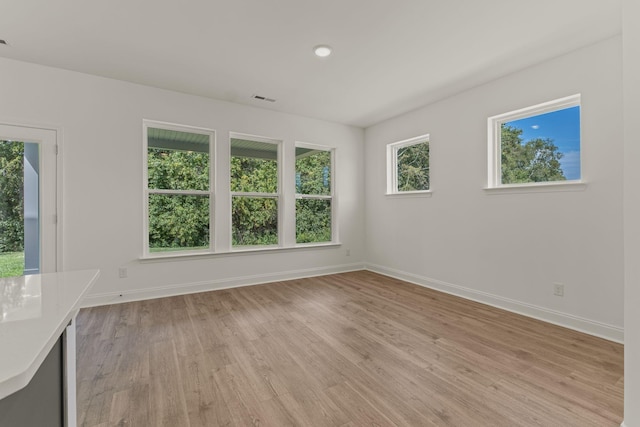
(28,198)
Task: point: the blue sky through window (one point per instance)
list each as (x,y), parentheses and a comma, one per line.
(563,127)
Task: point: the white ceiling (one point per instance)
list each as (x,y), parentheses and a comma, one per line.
(390,56)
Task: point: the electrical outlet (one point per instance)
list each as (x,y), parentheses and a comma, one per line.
(348,252)
(558,289)
(122,272)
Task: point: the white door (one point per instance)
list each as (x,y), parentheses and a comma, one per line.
(40,194)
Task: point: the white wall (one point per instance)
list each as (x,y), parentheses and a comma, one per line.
(505,250)
(631,70)
(101,122)
(508,249)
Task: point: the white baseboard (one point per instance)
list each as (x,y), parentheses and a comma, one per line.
(213,285)
(602,330)
(609,332)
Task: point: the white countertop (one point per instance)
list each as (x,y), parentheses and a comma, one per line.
(34,311)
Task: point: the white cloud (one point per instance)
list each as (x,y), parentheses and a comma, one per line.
(536,127)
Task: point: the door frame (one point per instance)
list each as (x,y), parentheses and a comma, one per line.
(50,138)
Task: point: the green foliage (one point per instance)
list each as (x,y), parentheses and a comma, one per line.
(254,175)
(313,220)
(537,160)
(178,221)
(255,221)
(413,167)
(11,264)
(313,216)
(177,170)
(11,196)
(313,174)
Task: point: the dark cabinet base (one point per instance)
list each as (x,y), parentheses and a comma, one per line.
(40,403)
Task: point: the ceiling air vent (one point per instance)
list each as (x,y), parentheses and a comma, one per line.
(263,98)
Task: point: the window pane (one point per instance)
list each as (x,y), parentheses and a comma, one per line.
(254,166)
(313,171)
(413,167)
(177,160)
(178,222)
(541,148)
(313,220)
(254,221)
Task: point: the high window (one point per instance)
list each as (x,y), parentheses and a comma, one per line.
(178,188)
(314,194)
(255,183)
(537,145)
(408,166)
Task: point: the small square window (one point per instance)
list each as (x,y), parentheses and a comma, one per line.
(408,166)
(536,145)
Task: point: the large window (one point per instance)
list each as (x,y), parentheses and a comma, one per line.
(188,214)
(408,166)
(255,180)
(314,194)
(179,193)
(536,145)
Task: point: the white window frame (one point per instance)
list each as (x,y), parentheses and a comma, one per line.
(392,165)
(277,195)
(210,193)
(332,196)
(494,163)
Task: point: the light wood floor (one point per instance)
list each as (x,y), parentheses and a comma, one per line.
(354,349)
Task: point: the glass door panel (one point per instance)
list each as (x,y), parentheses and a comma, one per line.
(27,201)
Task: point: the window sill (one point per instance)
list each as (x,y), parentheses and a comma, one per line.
(537,188)
(427,193)
(244,251)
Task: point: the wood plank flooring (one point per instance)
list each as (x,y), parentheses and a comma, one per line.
(353,349)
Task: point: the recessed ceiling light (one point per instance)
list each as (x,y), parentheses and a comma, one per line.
(322,50)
